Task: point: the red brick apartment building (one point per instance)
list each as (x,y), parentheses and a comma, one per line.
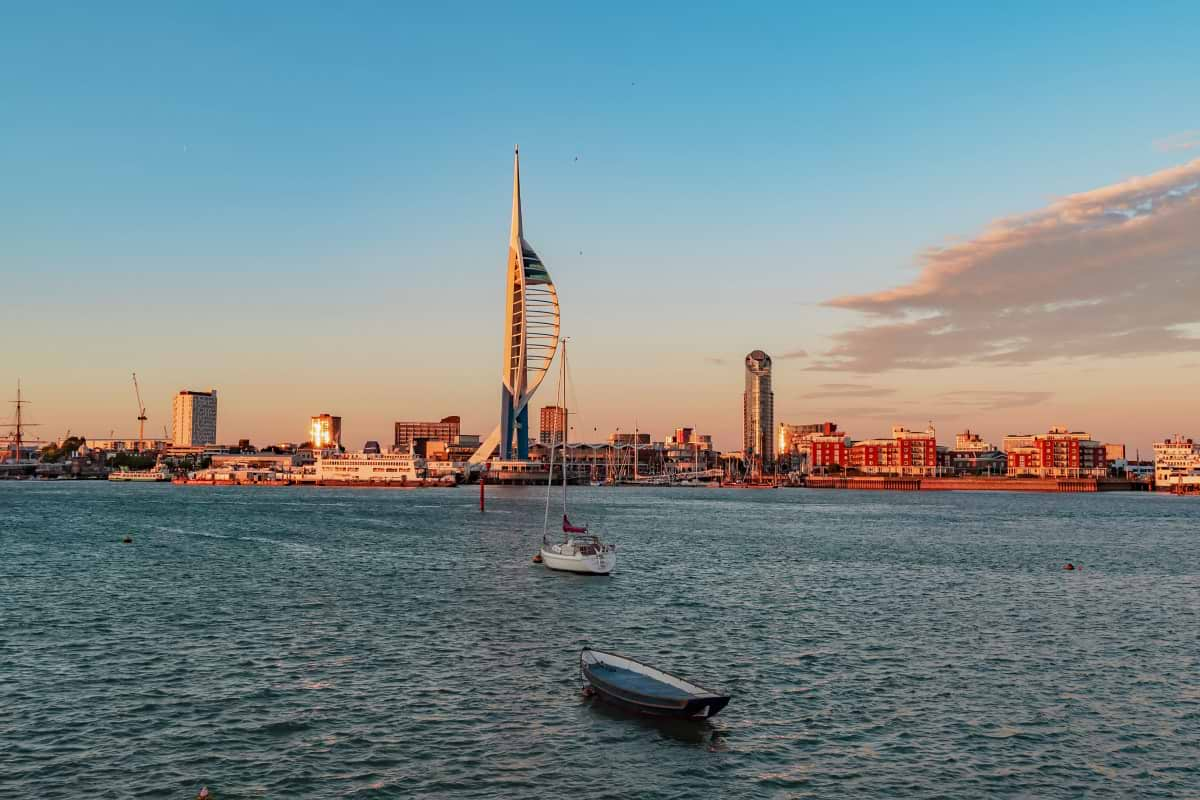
(1059,453)
(906,453)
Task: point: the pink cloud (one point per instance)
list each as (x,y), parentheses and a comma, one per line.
(1112,271)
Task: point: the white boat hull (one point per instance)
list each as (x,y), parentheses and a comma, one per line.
(566,558)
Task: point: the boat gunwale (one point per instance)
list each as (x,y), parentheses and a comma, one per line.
(706,693)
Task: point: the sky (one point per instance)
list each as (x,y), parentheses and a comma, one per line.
(983,218)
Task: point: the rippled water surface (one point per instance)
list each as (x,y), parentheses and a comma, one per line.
(358,643)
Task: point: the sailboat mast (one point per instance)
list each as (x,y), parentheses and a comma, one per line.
(635,451)
(563,405)
(19,404)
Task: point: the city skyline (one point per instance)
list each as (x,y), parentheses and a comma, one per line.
(900,262)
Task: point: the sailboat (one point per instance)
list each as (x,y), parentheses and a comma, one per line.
(579,551)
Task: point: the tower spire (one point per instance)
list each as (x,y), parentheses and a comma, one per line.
(517,230)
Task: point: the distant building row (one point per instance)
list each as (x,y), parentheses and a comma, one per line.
(1058,453)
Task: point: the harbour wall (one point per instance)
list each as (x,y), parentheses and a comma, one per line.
(905,484)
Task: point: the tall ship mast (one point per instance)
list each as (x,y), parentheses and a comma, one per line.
(19,425)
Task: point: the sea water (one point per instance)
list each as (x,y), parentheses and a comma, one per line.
(306,642)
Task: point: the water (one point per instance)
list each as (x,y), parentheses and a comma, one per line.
(358,643)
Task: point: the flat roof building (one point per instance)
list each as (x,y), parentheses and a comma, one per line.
(194,415)
(325,432)
(553,423)
(406,432)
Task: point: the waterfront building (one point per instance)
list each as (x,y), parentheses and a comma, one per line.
(195,418)
(325,432)
(975,461)
(617,437)
(278,462)
(530,337)
(968,441)
(792,446)
(686,452)
(917,451)
(552,429)
(1176,462)
(794,438)
(1139,470)
(828,453)
(758,410)
(688,437)
(407,432)
(127,445)
(907,452)
(1058,453)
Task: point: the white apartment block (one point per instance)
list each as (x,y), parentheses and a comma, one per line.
(195,417)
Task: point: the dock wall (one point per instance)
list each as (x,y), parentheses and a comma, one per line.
(899,484)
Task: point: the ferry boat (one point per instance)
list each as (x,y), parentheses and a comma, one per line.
(368,468)
(143,476)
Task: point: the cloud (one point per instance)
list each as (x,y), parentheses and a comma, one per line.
(847,390)
(863,412)
(793,354)
(1110,272)
(720,362)
(988,400)
(1188,140)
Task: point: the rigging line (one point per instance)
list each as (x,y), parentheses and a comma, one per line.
(573,400)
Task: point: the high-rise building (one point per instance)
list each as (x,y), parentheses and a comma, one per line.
(530,337)
(553,425)
(758,409)
(444,431)
(195,418)
(325,432)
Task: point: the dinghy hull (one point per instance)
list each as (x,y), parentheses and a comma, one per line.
(643,689)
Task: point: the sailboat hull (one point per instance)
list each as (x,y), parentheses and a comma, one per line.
(565,559)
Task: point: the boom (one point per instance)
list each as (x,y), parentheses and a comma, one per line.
(141,415)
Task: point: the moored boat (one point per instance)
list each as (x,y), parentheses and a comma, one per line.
(140,476)
(645,689)
(579,551)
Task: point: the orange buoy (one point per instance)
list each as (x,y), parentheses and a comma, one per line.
(1068,566)
(537,558)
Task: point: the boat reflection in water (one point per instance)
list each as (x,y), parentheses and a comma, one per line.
(703,733)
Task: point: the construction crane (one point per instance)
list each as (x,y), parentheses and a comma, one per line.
(141,416)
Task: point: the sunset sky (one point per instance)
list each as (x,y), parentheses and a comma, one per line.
(984,218)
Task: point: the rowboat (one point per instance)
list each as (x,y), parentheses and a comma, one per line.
(644,689)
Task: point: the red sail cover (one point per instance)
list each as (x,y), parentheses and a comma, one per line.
(569,528)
